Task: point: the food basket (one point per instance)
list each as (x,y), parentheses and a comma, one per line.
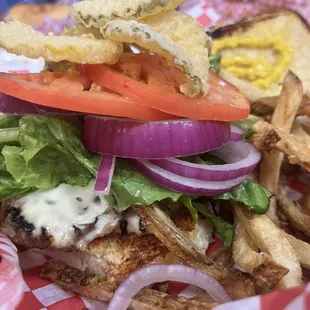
(20,283)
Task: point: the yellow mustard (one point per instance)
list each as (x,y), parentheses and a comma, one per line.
(255,69)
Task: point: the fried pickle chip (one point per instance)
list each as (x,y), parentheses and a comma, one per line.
(21,39)
(193,62)
(180,28)
(78,30)
(97,13)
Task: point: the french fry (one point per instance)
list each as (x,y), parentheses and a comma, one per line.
(283,117)
(266,137)
(266,105)
(237,284)
(305,105)
(293,212)
(301,248)
(261,266)
(306,203)
(299,132)
(269,239)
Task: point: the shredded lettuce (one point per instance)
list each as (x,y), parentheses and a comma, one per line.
(224,229)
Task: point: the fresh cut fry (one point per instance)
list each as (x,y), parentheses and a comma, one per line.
(266,105)
(283,117)
(293,212)
(267,137)
(237,285)
(261,266)
(268,238)
(299,132)
(301,248)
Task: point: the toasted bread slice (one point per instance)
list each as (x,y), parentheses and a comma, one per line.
(114,257)
(289,25)
(98,288)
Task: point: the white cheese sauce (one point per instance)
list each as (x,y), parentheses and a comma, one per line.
(72,215)
(133,222)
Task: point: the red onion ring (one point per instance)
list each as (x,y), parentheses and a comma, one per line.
(153,140)
(105,174)
(182,184)
(236,133)
(160,273)
(241,156)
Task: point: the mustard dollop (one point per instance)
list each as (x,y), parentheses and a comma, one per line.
(257,70)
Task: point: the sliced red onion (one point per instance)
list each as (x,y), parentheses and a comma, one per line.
(105,174)
(12,105)
(137,139)
(182,184)
(161,273)
(241,158)
(236,133)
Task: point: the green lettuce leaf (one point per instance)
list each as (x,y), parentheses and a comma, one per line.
(246,125)
(252,195)
(225,229)
(10,188)
(215,63)
(38,131)
(9,121)
(187,202)
(42,153)
(129,187)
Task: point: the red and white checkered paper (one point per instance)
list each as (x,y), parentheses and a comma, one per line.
(34,293)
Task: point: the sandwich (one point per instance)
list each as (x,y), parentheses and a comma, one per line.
(124,154)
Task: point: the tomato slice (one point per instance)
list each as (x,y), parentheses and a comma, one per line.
(65,91)
(148,80)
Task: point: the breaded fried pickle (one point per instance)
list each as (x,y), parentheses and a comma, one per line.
(22,39)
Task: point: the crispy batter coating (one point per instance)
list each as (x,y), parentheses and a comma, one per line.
(22,39)
(77,30)
(195,67)
(180,28)
(97,13)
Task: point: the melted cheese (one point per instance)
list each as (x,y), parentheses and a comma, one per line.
(71,215)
